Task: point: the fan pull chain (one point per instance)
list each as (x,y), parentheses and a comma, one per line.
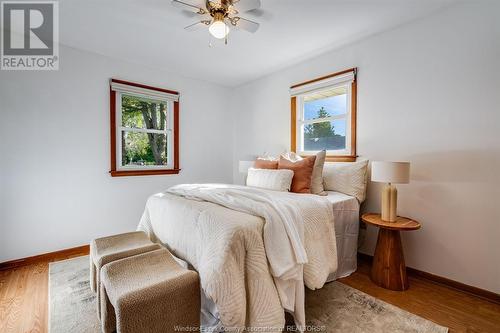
(227,33)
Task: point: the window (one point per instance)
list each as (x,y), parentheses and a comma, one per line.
(144,130)
(323,113)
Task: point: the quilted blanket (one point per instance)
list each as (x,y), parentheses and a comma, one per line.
(254,249)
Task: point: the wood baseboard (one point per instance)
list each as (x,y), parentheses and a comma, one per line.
(46,257)
(486,294)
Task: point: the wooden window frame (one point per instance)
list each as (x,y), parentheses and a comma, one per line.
(293,125)
(113,128)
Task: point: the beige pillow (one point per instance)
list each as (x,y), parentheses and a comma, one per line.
(291,156)
(317,175)
(347,177)
(277,180)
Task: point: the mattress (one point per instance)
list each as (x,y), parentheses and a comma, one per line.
(346,217)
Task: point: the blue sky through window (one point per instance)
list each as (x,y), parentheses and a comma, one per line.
(335,105)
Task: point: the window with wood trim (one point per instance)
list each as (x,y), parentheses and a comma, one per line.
(144,129)
(323,116)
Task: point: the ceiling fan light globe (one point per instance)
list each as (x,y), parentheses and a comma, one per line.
(218,29)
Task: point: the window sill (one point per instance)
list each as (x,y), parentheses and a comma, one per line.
(340,158)
(334,158)
(127,173)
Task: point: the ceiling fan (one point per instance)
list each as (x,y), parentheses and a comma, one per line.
(220,16)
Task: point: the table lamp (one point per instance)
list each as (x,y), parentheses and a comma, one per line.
(390,173)
(243,167)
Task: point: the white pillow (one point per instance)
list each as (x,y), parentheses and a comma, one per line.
(270,179)
(347,177)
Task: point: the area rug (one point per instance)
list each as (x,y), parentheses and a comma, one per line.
(334,308)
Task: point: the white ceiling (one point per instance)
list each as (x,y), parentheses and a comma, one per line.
(150,32)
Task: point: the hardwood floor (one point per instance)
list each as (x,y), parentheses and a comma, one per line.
(457,310)
(24,295)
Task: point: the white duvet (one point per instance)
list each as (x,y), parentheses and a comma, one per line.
(251,269)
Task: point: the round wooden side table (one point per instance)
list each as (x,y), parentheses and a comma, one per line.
(388,267)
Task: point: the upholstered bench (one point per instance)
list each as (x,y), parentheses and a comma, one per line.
(149,292)
(107,249)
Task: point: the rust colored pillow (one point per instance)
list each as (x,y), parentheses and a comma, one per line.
(302,173)
(265,164)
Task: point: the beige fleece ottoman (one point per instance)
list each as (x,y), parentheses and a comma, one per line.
(107,249)
(149,292)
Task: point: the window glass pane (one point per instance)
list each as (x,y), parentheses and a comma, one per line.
(329,135)
(143,149)
(140,112)
(325,103)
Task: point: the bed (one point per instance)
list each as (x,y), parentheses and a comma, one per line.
(251,271)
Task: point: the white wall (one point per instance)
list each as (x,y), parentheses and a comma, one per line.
(429,93)
(55,190)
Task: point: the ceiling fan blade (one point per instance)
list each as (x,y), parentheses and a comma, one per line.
(195,16)
(242,6)
(244,24)
(195,6)
(197,25)
(260,14)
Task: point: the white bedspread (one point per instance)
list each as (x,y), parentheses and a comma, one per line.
(231,248)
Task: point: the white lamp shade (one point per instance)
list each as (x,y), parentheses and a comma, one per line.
(218,29)
(243,166)
(391,172)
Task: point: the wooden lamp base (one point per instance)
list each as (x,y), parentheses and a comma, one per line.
(389,203)
(388,269)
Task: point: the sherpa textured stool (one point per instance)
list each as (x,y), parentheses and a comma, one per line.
(107,249)
(149,292)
